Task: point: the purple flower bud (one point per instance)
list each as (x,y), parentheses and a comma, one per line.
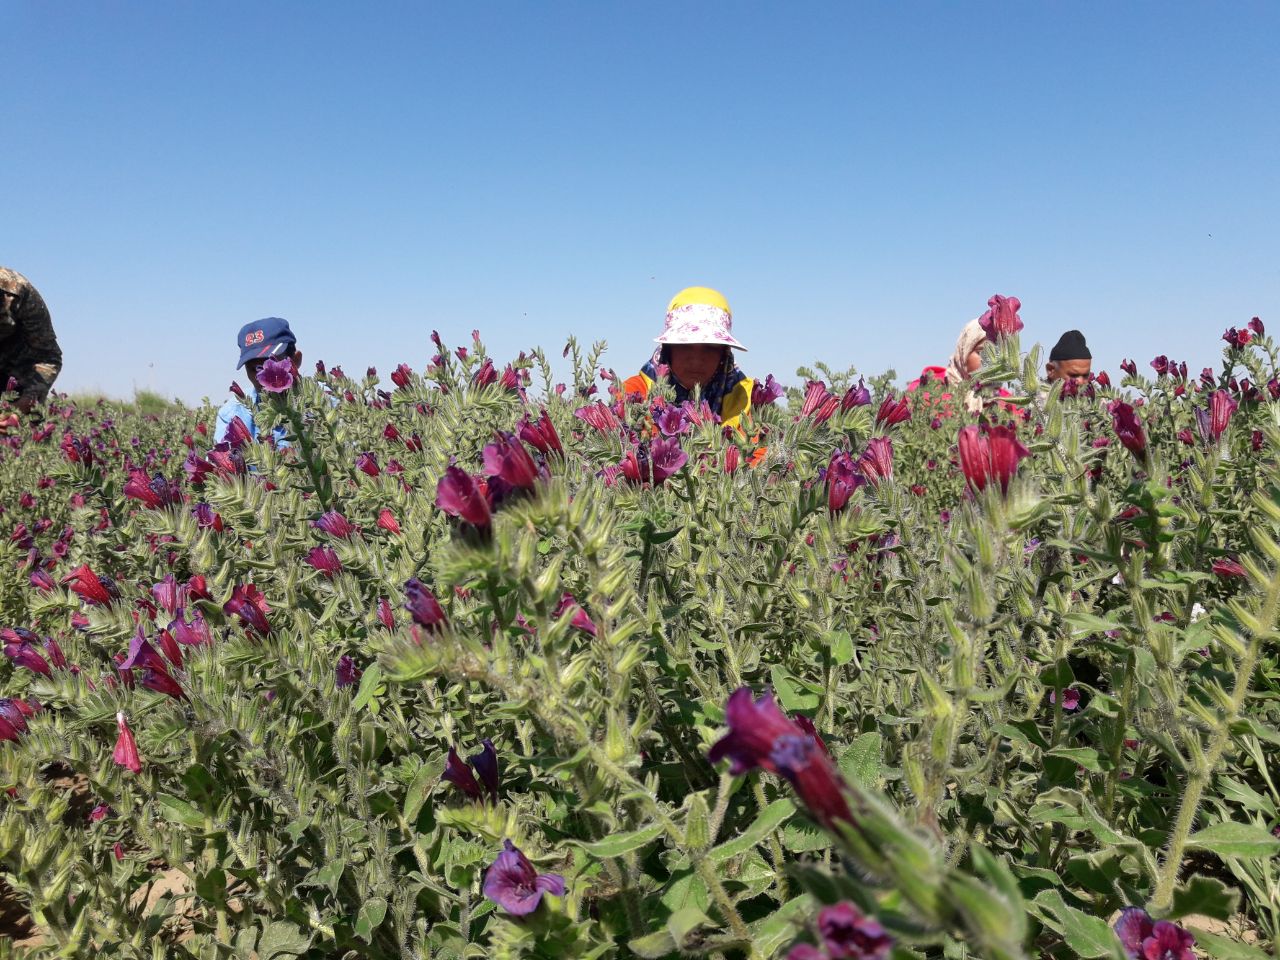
(423,606)
(458,495)
(367,464)
(460,775)
(846,932)
(507,458)
(486,766)
(336,525)
(325,560)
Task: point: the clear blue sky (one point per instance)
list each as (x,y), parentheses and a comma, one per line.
(857,178)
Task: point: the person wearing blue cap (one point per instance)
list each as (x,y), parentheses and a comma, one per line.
(260,341)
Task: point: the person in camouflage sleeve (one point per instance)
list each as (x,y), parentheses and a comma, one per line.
(29,352)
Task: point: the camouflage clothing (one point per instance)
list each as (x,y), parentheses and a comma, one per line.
(29,350)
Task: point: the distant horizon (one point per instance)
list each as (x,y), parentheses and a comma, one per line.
(857,180)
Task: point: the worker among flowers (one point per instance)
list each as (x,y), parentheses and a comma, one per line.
(259,342)
(696,352)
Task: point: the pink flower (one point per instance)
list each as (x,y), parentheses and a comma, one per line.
(599,416)
(876,463)
(991,456)
(367,464)
(1227,569)
(100,591)
(892,411)
(1070,698)
(248,603)
(1001,319)
(126,750)
(580,619)
(508,459)
(387,521)
(458,495)
(325,560)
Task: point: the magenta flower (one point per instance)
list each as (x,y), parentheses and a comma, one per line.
(23,653)
(1257,326)
(169,594)
(847,932)
(485,764)
(876,463)
(335,525)
(580,619)
(386,615)
(513,884)
(402,375)
(1160,365)
(142,655)
(507,458)
(325,560)
(207,518)
(423,606)
(160,681)
(540,434)
(892,411)
(237,434)
(486,374)
(276,376)
(100,813)
(346,672)
(100,591)
(191,634)
(599,416)
(1221,407)
(765,393)
(367,464)
(153,493)
(387,521)
(1128,428)
(754,727)
(667,458)
(1227,569)
(458,495)
(248,603)
(797,757)
(1145,939)
(226,460)
(1001,319)
(672,422)
(126,751)
(843,478)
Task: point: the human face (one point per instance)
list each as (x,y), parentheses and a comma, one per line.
(694,364)
(1078,370)
(973,363)
(252,367)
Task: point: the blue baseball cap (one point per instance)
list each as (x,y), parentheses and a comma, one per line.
(266,338)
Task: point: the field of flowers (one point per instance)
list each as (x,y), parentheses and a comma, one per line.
(483,665)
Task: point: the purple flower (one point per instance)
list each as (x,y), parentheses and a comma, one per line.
(1160,365)
(335,525)
(507,458)
(843,478)
(458,495)
(1070,698)
(248,603)
(876,463)
(423,606)
(672,422)
(100,813)
(169,595)
(486,766)
(514,885)
(141,654)
(56,656)
(846,932)
(766,393)
(276,376)
(858,396)
(1147,939)
(158,679)
(154,493)
(460,775)
(367,464)
(666,458)
(485,375)
(23,653)
(754,727)
(325,560)
(806,951)
(346,672)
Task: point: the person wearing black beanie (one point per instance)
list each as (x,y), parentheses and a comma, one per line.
(1070,359)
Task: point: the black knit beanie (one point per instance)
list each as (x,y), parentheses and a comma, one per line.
(1070,346)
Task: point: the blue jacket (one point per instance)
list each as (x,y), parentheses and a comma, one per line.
(233,408)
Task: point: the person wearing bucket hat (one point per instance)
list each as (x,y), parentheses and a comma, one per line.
(260,341)
(695,351)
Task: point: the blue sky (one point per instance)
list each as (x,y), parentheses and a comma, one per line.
(857,178)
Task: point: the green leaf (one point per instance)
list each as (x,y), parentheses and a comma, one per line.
(181,812)
(1083,624)
(371,916)
(622,843)
(1086,757)
(416,795)
(684,921)
(1227,948)
(368,686)
(1231,839)
(1206,896)
(771,817)
(789,693)
(861,760)
(840,643)
(655,946)
(1088,936)
(282,939)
